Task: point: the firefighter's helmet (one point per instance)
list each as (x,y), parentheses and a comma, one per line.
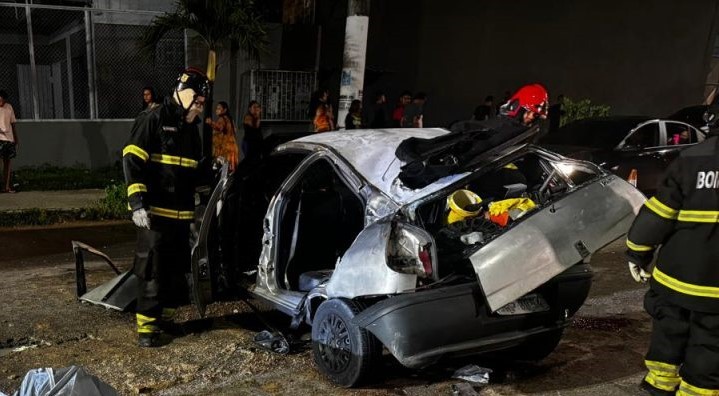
(193,79)
(531,97)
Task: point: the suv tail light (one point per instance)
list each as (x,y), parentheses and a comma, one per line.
(411,251)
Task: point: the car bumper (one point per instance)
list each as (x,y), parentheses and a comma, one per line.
(421,327)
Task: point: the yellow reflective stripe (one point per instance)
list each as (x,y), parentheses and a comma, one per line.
(662,382)
(132,149)
(172,214)
(699,216)
(136,188)
(687,389)
(638,248)
(683,287)
(129,207)
(511,166)
(653,365)
(146,324)
(668,384)
(173,160)
(660,209)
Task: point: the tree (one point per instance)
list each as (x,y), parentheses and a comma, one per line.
(218,24)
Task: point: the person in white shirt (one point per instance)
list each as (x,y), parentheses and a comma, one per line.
(8,139)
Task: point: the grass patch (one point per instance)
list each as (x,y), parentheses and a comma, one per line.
(48,177)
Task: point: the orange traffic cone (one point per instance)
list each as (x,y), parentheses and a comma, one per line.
(632,179)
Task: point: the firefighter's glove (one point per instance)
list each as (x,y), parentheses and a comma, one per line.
(141,219)
(638,273)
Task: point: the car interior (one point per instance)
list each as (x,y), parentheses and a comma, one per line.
(319,219)
(241,226)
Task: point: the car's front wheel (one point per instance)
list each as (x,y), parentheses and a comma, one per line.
(345,353)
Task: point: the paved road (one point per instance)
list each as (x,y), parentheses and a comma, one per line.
(601,353)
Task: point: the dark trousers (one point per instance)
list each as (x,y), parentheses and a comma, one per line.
(684,349)
(162,259)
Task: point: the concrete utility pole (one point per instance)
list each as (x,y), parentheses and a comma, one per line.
(354,56)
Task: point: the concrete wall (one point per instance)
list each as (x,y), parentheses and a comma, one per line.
(640,57)
(69,143)
(91,144)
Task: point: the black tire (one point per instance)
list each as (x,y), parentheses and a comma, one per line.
(343,352)
(537,347)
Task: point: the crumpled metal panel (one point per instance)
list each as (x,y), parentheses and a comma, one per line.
(363,270)
(371,153)
(552,240)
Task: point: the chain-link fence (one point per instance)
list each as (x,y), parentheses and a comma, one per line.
(81,63)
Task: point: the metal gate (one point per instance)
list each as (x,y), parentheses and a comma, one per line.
(284,95)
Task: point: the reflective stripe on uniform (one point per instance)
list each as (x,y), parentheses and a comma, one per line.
(638,248)
(662,376)
(699,216)
(660,209)
(511,166)
(691,390)
(660,367)
(683,287)
(132,149)
(173,160)
(146,324)
(136,188)
(172,214)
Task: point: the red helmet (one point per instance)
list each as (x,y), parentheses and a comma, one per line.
(531,97)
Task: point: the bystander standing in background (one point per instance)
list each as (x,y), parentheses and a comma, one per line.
(149,99)
(485,111)
(354,116)
(398,111)
(8,139)
(414,112)
(253,140)
(224,143)
(379,112)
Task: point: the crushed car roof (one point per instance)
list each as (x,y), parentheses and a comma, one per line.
(372,153)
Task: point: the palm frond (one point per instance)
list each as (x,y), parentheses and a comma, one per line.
(217,22)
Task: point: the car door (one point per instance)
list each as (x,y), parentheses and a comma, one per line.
(229,228)
(644,150)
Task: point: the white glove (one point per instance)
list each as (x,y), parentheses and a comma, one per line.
(638,273)
(141,219)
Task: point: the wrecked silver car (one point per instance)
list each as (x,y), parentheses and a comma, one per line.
(330,235)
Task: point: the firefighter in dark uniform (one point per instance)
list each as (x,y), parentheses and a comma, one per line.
(683,298)
(161,166)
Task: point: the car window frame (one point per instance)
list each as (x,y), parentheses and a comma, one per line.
(690,127)
(623,144)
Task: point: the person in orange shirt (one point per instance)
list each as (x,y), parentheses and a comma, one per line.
(224,143)
(324,118)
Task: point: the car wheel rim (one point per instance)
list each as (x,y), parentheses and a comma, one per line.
(335,347)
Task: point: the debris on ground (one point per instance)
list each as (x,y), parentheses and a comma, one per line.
(274,342)
(473,373)
(73,380)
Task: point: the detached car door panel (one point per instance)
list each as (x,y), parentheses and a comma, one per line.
(555,238)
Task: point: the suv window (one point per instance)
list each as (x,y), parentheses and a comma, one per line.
(646,136)
(679,134)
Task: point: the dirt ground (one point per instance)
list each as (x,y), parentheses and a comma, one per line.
(43,325)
